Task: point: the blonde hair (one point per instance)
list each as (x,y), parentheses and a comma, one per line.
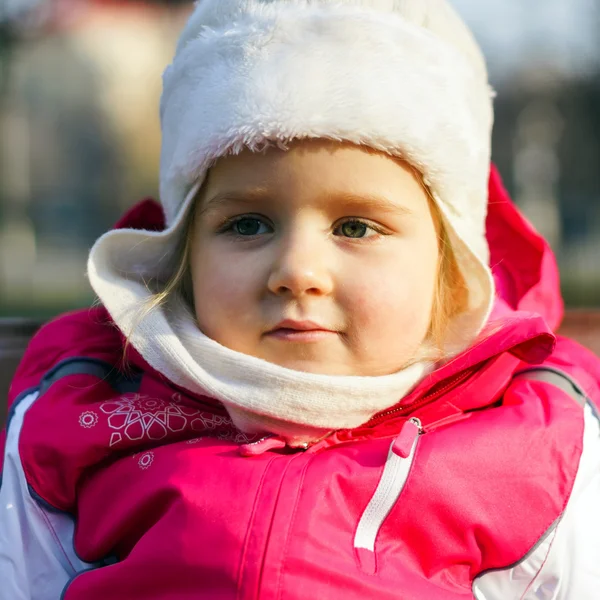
(451,294)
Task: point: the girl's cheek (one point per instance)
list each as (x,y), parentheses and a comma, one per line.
(226,287)
(372,302)
(389,297)
(220,271)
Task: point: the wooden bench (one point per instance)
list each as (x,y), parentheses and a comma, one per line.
(582,325)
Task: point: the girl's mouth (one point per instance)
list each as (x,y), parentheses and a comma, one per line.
(294,335)
(300,331)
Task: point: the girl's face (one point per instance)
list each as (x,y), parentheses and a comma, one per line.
(322,258)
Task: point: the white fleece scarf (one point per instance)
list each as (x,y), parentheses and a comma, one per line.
(262,397)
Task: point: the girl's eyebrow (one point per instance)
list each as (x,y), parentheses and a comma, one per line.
(374,202)
(347,200)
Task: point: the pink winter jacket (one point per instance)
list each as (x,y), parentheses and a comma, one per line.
(483,483)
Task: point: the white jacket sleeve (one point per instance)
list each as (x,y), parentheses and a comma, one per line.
(37,558)
(565,565)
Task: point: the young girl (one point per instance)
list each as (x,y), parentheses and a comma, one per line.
(308,381)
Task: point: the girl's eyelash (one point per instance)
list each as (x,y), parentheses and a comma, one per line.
(369,224)
(228,225)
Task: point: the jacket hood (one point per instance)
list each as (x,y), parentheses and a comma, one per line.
(523,264)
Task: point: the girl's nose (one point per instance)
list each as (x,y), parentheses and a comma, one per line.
(300,269)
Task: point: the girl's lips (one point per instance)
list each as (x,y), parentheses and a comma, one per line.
(295,335)
(300,331)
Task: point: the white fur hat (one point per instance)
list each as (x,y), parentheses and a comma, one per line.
(402,76)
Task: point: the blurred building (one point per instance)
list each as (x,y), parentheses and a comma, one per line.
(544,59)
(80,137)
(79,90)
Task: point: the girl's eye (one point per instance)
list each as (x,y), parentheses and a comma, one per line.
(355,229)
(250,226)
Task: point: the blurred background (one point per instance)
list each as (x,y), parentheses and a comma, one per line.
(79,87)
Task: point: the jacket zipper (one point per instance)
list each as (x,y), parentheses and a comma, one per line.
(420,402)
(393,479)
(343,436)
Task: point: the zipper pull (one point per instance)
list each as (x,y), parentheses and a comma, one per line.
(395,474)
(404,443)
